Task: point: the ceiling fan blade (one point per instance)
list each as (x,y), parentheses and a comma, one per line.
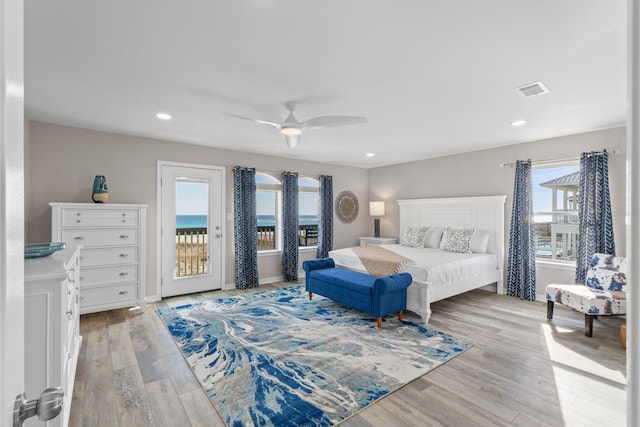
(264,122)
(332,121)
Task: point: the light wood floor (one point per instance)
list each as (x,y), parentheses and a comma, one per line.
(522,370)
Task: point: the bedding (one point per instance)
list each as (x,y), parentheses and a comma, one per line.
(378,261)
(433,267)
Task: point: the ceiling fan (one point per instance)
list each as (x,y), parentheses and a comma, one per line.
(292,128)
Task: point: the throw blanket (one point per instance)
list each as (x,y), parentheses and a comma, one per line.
(380,261)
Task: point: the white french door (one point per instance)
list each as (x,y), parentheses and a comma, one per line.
(11,207)
(192,219)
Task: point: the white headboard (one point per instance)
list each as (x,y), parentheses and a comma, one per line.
(481,213)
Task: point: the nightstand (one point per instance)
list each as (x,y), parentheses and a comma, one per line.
(367,241)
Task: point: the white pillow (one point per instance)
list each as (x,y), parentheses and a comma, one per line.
(480,242)
(433,237)
(414,237)
(458,239)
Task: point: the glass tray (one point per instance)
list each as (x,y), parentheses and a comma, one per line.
(39,250)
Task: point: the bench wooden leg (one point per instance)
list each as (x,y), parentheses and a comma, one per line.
(310,295)
(379,322)
(549,309)
(400,315)
(588,324)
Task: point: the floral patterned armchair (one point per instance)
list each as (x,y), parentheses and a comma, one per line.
(603,294)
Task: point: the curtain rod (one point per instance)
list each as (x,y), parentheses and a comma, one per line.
(567,159)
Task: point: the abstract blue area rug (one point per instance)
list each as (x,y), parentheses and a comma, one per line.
(274,358)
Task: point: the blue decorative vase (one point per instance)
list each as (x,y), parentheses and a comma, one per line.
(100,191)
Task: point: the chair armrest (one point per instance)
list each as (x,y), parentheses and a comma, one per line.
(317,264)
(392,283)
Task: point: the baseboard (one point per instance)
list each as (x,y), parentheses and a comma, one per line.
(151,299)
(267,280)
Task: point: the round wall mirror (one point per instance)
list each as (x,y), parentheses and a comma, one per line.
(347,206)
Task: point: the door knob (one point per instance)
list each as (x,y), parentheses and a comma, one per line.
(48,406)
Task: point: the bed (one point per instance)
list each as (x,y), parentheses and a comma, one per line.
(439,274)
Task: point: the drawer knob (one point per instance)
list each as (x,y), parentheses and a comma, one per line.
(123,293)
(81,298)
(78,214)
(124,236)
(124,214)
(124,220)
(78,238)
(124,255)
(124,273)
(78,221)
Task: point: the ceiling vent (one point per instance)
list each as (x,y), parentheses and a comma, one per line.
(532,89)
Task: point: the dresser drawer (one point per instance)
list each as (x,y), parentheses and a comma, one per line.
(99,237)
(105,275)
(99,217)
(107,256)
(116,295)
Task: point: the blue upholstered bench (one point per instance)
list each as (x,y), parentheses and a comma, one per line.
(378,296)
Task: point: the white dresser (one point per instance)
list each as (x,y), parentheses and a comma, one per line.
(52,336)
(113,256)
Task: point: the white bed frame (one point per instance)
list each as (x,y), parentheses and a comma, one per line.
(481,213)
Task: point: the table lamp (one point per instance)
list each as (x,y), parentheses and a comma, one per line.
(376,209)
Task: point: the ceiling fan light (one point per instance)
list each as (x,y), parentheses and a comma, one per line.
(292,140)
(290,131)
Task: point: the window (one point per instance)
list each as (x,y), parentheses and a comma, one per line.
(308,198)
(269,205)
(268,202)
(555,206)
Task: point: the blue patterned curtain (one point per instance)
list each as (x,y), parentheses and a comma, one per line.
(289,226)
(325,216)
(594,212)
(245,227)
(521,267)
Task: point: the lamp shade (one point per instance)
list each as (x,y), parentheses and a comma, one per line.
(376,208)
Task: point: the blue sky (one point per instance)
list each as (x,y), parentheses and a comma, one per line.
(265,203)
(541,195)
(191,199)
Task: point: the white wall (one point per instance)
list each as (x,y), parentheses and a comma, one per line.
(64,160)
(478,174)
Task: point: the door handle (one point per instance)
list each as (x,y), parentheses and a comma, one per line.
(47,407)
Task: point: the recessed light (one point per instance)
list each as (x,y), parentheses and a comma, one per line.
(519,123)
(163,116)
(371,154)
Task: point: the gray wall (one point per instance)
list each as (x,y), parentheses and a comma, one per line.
(64,160)
(478,174)
(61,162)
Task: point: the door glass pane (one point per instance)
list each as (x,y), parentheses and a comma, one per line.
(192,221)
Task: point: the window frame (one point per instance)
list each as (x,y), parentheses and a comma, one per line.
(561,264)
(275,186)
(308,189)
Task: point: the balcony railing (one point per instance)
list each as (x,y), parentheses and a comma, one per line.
(307,236)
(191,252)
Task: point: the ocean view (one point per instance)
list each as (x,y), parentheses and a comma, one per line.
(200,221)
